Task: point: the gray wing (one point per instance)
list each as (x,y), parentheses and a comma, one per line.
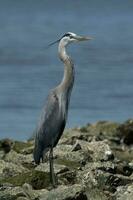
(50,127)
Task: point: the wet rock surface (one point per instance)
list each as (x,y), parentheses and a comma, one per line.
(93,162)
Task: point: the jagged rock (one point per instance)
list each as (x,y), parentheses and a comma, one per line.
(26,192)
(37,179)
(11,193)
(97,150)
(101,150)
(90,163)
(125,154)
(64,152)
(33,194)
(98,131)
(6,145)
(23,147)
(125,132)
(88,175)
(104,129)
(124,192)
(44,167)
(16,158)
(8,169)
(74,192)
(70,136)
(76,146)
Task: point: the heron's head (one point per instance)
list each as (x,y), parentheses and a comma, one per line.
(70,37)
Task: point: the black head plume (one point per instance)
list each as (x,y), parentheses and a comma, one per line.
(65,35)
(51,44)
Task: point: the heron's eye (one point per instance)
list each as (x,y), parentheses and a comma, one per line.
(70,36)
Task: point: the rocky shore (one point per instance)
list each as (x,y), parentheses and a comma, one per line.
(94,162)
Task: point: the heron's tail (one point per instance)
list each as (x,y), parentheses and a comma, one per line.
(37,154)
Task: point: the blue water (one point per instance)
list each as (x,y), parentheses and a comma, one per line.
(104,67)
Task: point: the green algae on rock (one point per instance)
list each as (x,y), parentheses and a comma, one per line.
(21,147)
(37,179)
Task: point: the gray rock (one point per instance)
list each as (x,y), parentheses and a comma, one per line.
(125,132)
(65,152)
(75,192)
(16,158)
(90,163)
(8,169)
(124,193)
(44,167)
(105,128)
(11,193)
(100,150)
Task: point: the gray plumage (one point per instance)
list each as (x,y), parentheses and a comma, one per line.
(54,116)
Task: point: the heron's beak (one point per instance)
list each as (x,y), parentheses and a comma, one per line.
(81,38)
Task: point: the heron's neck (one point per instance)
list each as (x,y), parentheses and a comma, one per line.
(68,78)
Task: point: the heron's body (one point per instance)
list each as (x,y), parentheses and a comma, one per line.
(53,119)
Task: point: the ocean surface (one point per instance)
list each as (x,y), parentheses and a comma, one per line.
(103,87)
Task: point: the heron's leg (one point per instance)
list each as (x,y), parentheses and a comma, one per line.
(52,175)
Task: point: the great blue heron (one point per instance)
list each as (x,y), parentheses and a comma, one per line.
(53,119)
